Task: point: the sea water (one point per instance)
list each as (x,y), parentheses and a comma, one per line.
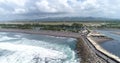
(31,48)
(113,46)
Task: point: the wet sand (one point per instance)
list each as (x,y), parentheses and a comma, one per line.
(118,33)
(44,32)
(98,37)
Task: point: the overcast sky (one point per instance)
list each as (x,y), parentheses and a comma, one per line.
(12,9)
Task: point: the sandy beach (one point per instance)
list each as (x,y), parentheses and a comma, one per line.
(44,32)
(118,33)
(98,37)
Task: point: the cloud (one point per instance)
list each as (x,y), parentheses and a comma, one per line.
(3,11)
(19,11)
(16,2)
(109,8)
(44,6)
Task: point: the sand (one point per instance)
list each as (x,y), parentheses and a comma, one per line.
(98,37)
(44,32)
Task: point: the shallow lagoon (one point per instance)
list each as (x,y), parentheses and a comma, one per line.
(112,46)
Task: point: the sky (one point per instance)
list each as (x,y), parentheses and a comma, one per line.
(33,9)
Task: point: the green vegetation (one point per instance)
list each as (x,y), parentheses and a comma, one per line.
(105,25)
(61,27)
(110,25)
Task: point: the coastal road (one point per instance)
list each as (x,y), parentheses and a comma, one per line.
(98,53)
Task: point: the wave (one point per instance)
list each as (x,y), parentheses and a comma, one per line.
(27,53)
(22,48)
(4,38)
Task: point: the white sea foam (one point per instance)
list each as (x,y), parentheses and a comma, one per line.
(26,50)
(71,39)
(57,37)
(2,38)
(3,33)
(27,53)
(18,36)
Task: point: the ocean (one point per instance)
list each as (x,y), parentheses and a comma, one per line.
(33,48)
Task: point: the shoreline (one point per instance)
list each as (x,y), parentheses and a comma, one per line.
(48,33)
(98,37)
(102,50)
(118,33)
(83,51)
(44,32)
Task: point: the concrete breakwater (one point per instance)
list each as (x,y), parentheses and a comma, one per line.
(110,58)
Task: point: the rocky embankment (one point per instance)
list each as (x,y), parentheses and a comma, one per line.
(86,54)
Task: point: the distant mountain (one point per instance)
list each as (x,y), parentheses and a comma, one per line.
(70,19)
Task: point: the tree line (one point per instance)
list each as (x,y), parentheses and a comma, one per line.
(62,27)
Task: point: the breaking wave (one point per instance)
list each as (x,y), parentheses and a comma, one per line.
(25,50)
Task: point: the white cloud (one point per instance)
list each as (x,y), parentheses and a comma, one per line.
(90,3)
(3,11)
(16,2)
(80,7)
(44,6)
(19,11)
(63,6)
(1,1)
